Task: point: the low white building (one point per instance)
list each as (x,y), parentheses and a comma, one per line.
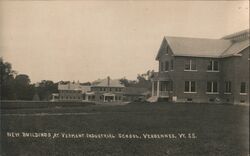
(71,91)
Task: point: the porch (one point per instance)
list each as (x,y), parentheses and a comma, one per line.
(162,88)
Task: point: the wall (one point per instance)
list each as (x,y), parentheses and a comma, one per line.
(70,95)
(201,76)
(118,91)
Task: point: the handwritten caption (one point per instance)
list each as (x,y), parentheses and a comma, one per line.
(99,136)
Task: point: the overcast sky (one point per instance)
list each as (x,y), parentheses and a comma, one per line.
(83,40)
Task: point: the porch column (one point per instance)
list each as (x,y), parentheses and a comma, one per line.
(104,100)
(158,88)
(153,88)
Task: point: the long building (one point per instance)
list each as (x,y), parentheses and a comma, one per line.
(102,90)
(106,90)
(203,70)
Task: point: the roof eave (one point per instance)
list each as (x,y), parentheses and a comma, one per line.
(180,55)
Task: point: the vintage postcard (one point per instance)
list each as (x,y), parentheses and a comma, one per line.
(124,78)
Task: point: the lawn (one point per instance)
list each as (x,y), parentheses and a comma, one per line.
(218,129)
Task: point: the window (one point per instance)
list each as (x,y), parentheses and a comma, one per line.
(211,100)
(166,66)
(190,65)
(212,87)
(172,65)
(167,51)
(228,87)
(162,66)
(243,87)
(189,99)
(213,65)
(190,87)
(242,101)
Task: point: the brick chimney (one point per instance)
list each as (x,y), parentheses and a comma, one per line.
(108,80)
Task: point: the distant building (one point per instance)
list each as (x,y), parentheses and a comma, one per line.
(103,90)
(71,91)
(106,90)
(203,70)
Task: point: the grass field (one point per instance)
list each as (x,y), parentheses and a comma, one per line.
(221,130)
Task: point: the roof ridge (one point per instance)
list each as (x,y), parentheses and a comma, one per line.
(221,39)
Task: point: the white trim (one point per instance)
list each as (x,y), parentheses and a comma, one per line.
(227,93)
(158,89)
(212,92)
(213,71)
(190,92)
(191,70)
(243,93)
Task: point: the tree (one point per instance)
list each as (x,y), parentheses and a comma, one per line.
(7,81)
(46,88)
(125,82)
(23,89)
(143,80)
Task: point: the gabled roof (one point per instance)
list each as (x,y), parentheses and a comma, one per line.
(107,83)
(236,48)
(183,46)
(69,86)
(202,47)
(73,86)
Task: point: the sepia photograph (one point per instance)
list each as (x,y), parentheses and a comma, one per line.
(124,78)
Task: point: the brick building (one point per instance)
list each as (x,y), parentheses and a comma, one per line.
(106,90)
(71,91)
(203,70)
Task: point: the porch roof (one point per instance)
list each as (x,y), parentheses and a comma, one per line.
(109,94)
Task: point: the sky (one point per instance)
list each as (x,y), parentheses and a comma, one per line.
(87,40)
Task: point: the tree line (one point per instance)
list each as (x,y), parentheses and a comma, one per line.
(16,86)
